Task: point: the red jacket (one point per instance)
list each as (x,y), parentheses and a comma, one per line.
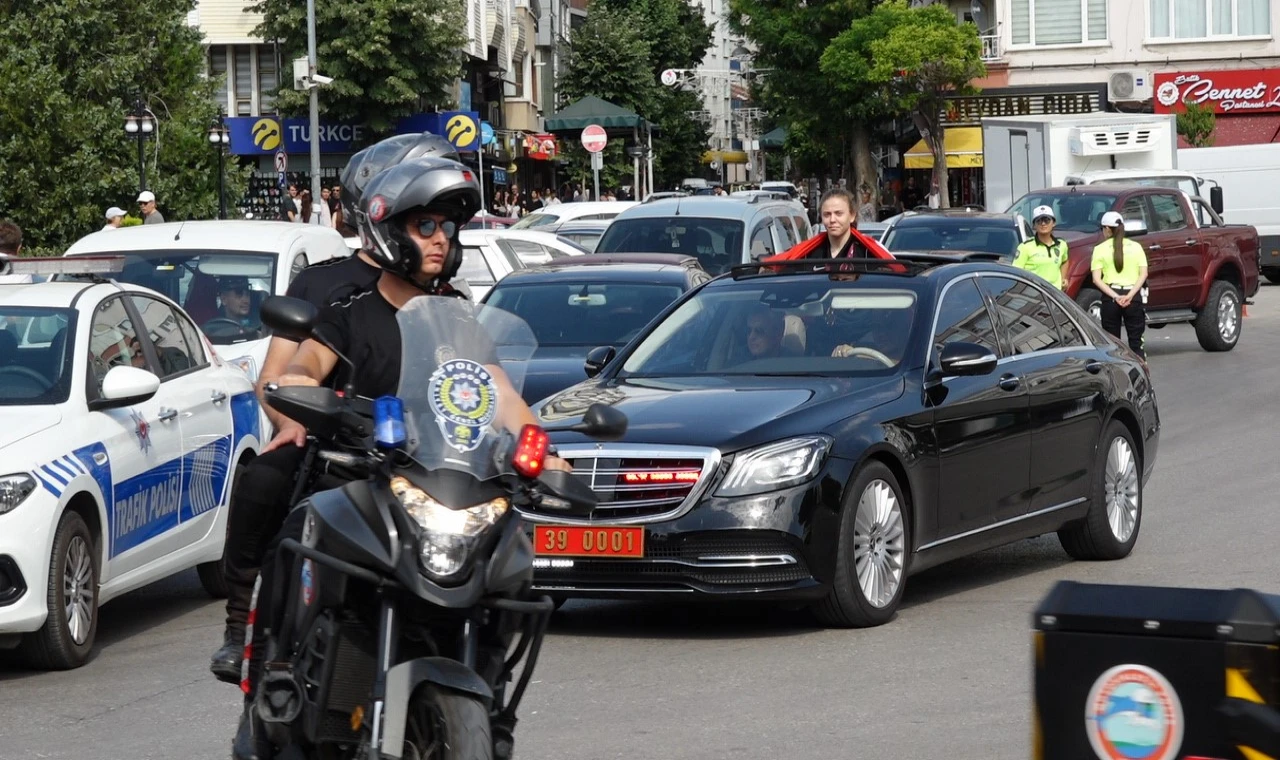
(801,250)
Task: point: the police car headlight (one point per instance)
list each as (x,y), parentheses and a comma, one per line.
(448,535)
(775,466)
(248,365)
(14,489)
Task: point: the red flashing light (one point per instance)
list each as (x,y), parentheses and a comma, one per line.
(531,451)
(468,176)
(662,476)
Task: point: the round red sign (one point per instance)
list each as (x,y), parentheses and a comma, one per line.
(594,138)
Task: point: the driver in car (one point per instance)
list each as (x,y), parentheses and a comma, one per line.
(765,328)
(237,302)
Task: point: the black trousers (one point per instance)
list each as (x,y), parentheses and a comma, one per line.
(258,508)
(1133,317)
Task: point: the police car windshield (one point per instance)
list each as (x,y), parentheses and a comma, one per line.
(35,355)
(717,243)
(221,290)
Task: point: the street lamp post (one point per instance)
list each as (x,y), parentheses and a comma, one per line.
(219,138)
(140,123)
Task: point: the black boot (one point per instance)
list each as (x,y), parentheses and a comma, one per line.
(225,663)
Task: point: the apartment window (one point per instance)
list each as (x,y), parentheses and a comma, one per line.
(519,72)
(218,71)
(244,82)
(268,82)
(1060,22)
(1200,19)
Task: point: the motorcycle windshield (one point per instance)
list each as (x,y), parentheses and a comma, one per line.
(456,358)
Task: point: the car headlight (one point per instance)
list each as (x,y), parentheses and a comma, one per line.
(448,535)
(776,465)
(248,365)
(14,489)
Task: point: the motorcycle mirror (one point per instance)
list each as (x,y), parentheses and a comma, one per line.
(291,318)
(602,422)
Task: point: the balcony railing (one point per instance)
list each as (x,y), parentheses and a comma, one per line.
(991,47)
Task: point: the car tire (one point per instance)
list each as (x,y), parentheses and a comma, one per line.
(213,575)
(66,639)
(1110,529)
(873,548)
(1218,323)
(1091,301)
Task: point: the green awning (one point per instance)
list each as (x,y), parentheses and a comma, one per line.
(775,138)
(592,110)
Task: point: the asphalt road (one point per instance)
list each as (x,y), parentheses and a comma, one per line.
(949,678)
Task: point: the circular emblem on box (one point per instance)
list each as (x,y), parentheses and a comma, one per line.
(1133,713)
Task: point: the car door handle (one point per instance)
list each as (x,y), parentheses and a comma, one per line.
(1191,241)
(1094,367)
(168,414)
(1155,247)
(218,397)
(1009,383)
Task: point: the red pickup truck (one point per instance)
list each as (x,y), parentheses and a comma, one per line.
(1199,270)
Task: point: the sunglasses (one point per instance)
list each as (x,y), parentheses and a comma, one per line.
(1045,220)
(428,227)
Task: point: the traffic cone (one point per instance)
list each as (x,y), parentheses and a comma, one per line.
(1244,308)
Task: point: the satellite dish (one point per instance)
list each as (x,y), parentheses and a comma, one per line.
(979,14)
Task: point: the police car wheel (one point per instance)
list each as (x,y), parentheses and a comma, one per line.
(68,633)
(213,577)
(1110,529)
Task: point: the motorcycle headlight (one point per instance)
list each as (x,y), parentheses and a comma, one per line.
(14,489)
(776,465)
(448,535)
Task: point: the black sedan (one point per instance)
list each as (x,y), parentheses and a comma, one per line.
(818,431)
(957,230)
(579,303)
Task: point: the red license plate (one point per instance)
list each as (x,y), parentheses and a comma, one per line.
(585,541)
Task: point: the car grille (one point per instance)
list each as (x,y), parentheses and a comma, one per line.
(639,483)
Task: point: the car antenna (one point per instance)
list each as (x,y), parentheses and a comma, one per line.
(178,235)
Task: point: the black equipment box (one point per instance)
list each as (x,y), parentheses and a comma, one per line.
(1155,673)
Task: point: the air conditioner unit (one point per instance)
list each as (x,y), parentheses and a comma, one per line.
(1105,141)
(1129,86)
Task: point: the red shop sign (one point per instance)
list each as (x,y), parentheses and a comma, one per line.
(1247,91)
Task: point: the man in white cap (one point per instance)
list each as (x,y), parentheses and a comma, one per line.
(115,217)
(147,202)
(1046,253)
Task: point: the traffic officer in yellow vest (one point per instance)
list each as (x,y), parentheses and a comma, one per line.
(1120,271)
(1045,254)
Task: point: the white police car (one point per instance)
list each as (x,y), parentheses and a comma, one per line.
(120,432)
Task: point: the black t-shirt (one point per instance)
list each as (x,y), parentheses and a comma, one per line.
(851,248)
(364,328)
(328,282)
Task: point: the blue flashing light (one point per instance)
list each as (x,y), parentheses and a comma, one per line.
(388,422)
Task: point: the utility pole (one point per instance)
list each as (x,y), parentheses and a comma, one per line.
(315,102)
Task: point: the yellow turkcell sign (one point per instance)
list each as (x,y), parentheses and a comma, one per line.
(266,134)
(461,130)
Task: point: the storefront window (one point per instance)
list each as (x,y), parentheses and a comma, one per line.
(1198,19)
(1060,22)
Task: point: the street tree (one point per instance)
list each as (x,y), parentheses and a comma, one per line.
(1196,123)
(827,128)
(69,73)
(388,58)
(918,59)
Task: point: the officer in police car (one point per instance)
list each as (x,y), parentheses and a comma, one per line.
(1046,253)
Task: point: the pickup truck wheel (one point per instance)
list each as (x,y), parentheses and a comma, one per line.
(1218,323)
(1091,301)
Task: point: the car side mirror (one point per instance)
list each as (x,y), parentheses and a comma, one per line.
(125,386)
(966,359)
(291,318)
(1215,198)
(597,358)
(1134,228)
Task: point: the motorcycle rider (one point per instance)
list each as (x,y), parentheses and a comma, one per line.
(263,488)
(408,219)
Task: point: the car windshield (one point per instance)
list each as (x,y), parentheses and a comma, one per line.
(782,326)
(584,313)
(1077,212)
(944,234)
(535,220)
(221,290)
(35,355)
(717,243)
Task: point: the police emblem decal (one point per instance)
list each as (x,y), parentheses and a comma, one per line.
(1133,713)
(464,397)
(141,429)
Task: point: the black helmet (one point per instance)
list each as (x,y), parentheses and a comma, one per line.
(433,184)
(366,164)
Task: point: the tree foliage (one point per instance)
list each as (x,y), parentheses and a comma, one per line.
(917,59)
(1196,123)
(388,58)
(618,54)
(69,72)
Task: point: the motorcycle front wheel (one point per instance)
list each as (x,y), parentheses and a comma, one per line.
(445,725)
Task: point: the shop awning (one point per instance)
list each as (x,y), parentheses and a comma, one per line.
(726,156)
(962,144)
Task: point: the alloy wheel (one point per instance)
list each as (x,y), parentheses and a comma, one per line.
(1228,317)
(1120,489)
(77,590)
(879,543)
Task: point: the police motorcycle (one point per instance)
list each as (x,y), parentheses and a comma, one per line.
(407,601)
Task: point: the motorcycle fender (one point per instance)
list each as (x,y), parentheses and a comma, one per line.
(404,679)
(511,565)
